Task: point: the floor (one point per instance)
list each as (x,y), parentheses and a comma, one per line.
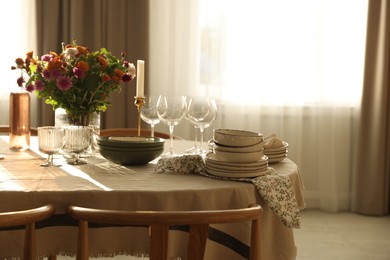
(341,236)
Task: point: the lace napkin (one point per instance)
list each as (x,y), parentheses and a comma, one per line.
(277,191)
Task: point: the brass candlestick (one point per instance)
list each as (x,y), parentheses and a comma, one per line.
(139,102)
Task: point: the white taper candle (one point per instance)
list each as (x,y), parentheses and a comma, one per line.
(140,78)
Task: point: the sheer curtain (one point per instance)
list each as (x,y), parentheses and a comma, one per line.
(293,68)
(18,38)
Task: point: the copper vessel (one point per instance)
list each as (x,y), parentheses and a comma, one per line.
(19,121)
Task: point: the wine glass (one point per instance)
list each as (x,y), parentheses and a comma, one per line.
(149,112)
(77,140)
(202,111)
(194,149)
(50,142)
(171,111)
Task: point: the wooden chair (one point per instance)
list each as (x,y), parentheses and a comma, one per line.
(134,131)
(28,218)
(159,222)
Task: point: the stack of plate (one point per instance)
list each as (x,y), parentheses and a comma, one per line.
(235,170)
(276,154)
(236,154)
(130,150)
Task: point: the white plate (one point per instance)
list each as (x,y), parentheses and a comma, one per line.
(235,175)
(211,157)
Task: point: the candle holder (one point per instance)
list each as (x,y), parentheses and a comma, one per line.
(139,102)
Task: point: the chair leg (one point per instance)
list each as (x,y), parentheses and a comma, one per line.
(255,241)
(158,242)
(82,247)
(52,257)
(197,242)
(29,252)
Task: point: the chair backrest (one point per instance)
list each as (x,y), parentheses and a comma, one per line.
(159,223)
(134,131)
(28,218)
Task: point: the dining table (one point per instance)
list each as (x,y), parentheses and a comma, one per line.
(103,184)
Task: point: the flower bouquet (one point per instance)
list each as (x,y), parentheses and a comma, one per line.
(77,80)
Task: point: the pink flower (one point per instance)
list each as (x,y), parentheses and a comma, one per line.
(126,78)
(46,74)
(30,88)
(64,83)
(20,81)
(47,57)
(39,85)
(39,68)
(56,74)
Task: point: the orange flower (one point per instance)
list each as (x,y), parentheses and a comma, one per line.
(102,61)
(82,65)
(29,55)
(54,64)
(118,75)
(106,78)
(19,63)
(53,54)
(82,50)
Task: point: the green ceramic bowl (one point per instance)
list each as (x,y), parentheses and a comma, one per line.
(130,141)
(125,149)
(135,157)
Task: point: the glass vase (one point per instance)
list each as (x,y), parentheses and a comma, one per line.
(62,119)
(19,121)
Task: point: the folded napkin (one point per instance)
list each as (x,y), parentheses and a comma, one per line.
(272,142)
(277,191)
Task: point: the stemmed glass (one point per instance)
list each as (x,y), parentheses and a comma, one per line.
(171,111)
(149,113)
(50,142)
(194,149)
(77,140)
(201,111)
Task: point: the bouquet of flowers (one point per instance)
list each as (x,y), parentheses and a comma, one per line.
(77,80)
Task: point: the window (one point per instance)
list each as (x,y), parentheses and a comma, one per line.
(18,39)
(301,52)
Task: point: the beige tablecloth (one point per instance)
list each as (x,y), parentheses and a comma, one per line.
(100,183)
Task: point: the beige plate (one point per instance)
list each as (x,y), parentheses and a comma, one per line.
(211,157)
(235,175)
(230,169)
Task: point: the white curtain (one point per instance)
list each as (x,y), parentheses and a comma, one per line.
(19,37)
(293,68)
